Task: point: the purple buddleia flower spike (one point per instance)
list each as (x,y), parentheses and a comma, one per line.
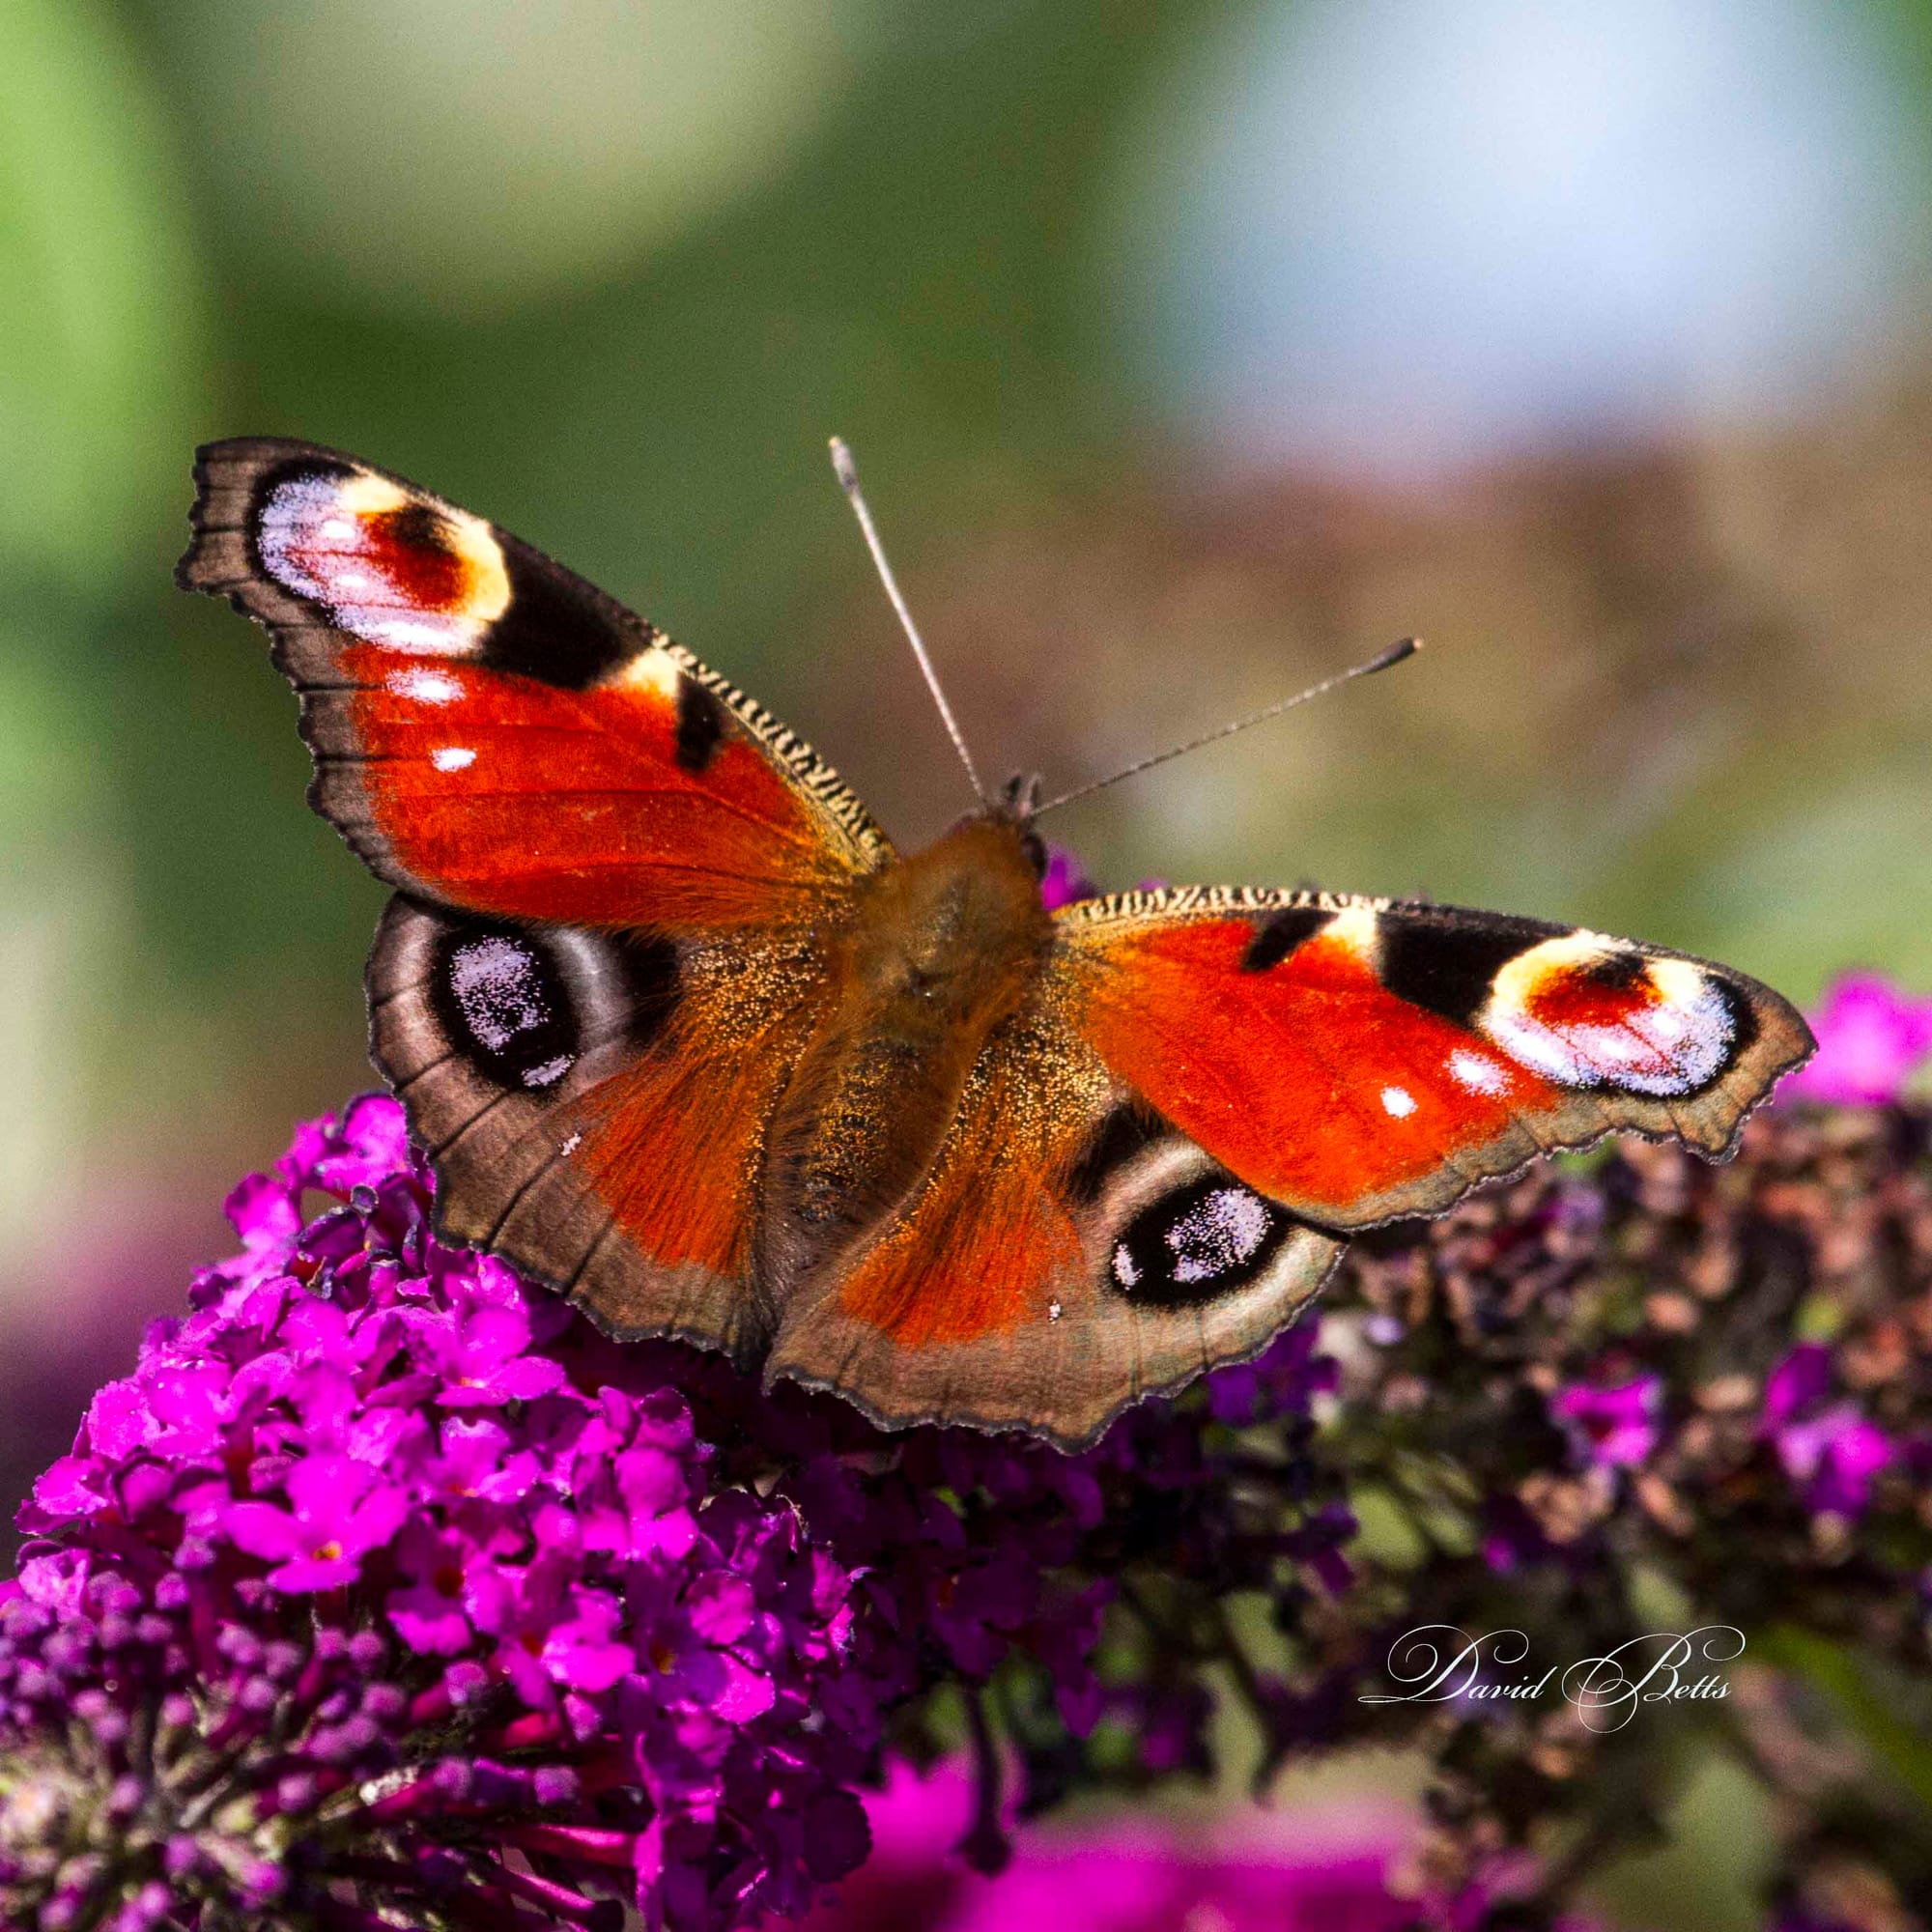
(350,1586)
(384,1590)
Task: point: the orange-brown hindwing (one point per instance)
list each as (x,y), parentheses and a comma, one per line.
(1069,1254)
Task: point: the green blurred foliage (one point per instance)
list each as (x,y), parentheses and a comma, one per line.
(100,296)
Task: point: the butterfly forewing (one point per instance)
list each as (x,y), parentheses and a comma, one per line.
(1357,1059)
(492,732)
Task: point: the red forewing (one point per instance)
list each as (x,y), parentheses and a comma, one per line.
(1357,1059)
(495,733)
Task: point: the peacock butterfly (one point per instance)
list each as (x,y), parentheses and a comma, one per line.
(687,1039)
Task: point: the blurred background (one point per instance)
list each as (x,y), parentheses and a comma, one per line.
(1192,349)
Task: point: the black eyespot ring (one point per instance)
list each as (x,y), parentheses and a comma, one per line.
(1197,1243)
(504,1005)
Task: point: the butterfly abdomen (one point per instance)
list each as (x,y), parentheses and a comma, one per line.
(944,948)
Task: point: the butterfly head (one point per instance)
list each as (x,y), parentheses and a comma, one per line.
(1015,804)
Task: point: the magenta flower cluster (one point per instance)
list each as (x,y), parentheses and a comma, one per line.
(384,1586)
(1321,1869)
(344,1510)
(385,1592)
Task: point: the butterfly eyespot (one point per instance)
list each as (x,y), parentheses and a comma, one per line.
(388,567)
(1197,1243)
(1586,1013)
(505,1006)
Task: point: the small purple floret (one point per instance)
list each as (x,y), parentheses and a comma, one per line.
(1871,1040)
(1615,1427)
(1829,1449)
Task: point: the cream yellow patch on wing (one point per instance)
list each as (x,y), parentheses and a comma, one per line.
(1679,985)
(367,495)
(486,576)
(1357,929)
(1518,980)
(653,671)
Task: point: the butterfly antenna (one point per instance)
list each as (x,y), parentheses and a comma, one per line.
(1406,648)
(847,472)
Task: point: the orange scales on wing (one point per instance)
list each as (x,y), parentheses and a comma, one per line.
(474,766)
(673,1141)
(1311,1080)
(986,1236)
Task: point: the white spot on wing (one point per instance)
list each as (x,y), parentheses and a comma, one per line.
(547,1072)
(452,757)
(1355,927)
(571,1146)
(1476,1074)
(653,670)
(1220,1234)
(1397,1101)
(425,687)
(1126,1270)
(419,635)
(1053,1310)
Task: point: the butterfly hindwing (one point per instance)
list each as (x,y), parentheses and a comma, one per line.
(1069,1253)
(492,732)
(1359,1059)
(595,1103)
